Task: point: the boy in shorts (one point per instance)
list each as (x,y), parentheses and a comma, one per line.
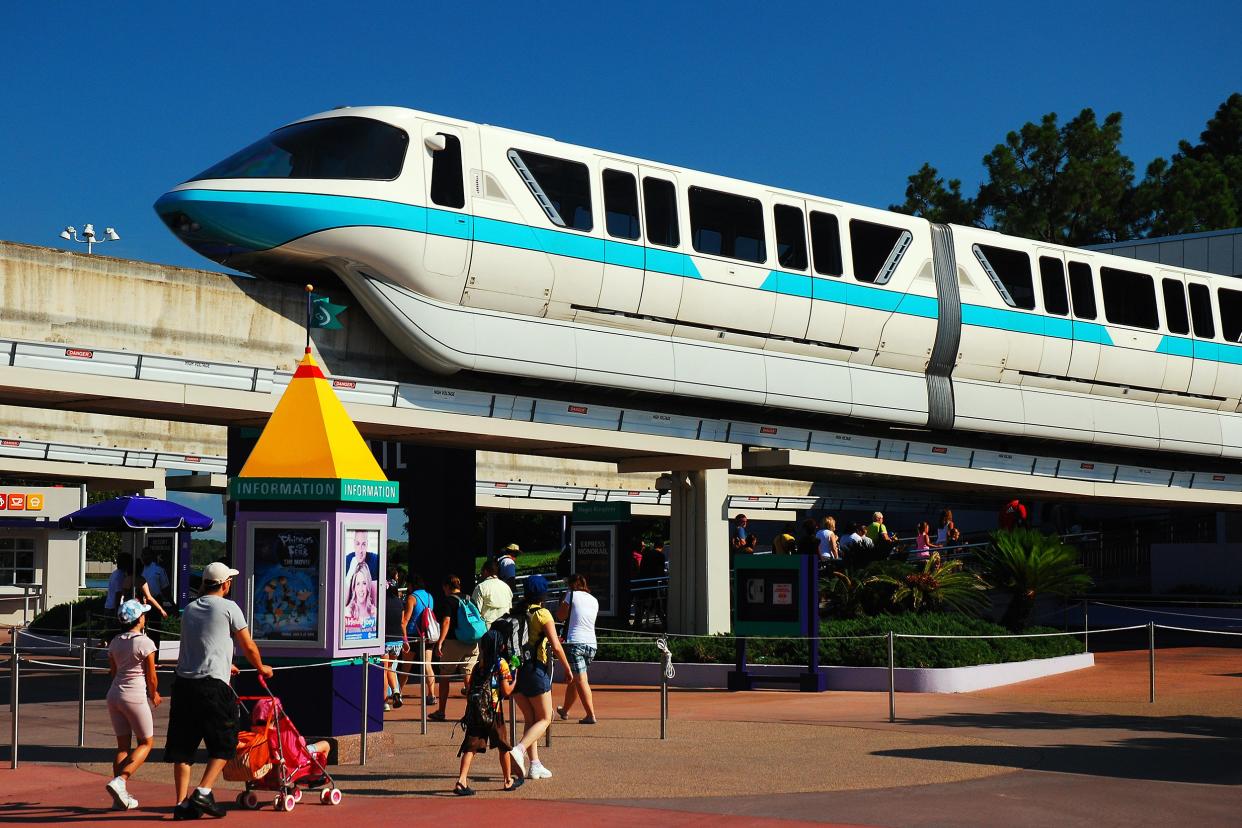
(490,682)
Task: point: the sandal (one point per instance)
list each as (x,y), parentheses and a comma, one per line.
(514,784)
(587,720)
(562,713)
(438,716)
(463,790)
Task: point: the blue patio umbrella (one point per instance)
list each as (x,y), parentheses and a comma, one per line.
(134,513)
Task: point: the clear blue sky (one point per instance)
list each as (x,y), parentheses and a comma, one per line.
(107,105)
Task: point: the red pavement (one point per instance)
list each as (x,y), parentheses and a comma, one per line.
(60,794)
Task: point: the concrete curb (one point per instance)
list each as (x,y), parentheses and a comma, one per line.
(908,679)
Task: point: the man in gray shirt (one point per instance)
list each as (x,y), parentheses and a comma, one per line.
(204,707)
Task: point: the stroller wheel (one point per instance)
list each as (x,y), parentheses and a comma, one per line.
(330,796)
(297,794)
(285,802)
(248,800)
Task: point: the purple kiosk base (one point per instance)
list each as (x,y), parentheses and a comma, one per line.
(313,577)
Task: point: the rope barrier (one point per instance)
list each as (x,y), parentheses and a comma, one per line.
(1168,612)
(1022,635)
(1189,629)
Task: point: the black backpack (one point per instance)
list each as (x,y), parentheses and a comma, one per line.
(514,630)
(480,715)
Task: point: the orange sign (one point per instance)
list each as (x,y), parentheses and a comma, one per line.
(17,502)
(34,503)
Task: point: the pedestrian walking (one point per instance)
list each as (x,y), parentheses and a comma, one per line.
(155,590)
(580,607)
(131,663)
(204,707)
(534,680)
(120,582)
(491,681)
(396,641)
(419,620)
(491,595)
(507,562)
(454,655)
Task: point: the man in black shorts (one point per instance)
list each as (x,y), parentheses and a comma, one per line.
(204,708)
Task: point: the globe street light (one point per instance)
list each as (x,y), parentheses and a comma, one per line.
(88,236)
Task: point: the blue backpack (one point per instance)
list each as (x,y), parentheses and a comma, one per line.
(468,626)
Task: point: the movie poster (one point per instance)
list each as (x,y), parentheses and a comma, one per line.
(287,562)
(360,592)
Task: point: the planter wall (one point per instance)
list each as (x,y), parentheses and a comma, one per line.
(908,679)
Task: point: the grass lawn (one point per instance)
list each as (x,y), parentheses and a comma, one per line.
(529,563)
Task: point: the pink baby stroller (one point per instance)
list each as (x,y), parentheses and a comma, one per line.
(295,766)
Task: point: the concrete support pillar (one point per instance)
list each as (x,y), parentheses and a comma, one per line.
(698,596)
(437,488)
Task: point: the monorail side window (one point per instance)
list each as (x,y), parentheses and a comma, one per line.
(1010,272)
(562,188)
(724,224)
(1129,298)
(660,207)
(1175,306)
(1230,314)
(1052,280)
(877,250)
(447,185)
(1201,311)
(1082,290)
(826,243)
(621,204)
(790,237)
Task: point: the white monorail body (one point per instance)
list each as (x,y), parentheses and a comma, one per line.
(480,248)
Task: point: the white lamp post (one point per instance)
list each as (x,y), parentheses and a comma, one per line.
(88,236)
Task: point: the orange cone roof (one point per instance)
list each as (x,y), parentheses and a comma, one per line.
(310,435)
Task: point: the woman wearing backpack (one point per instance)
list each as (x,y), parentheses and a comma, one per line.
(454,655)
(484,722)
(534,680)
(418,619)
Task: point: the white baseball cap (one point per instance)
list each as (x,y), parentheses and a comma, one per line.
(217,573)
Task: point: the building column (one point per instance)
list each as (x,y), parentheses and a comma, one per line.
(698,592)
(437,489)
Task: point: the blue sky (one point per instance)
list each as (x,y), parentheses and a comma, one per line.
(108,105)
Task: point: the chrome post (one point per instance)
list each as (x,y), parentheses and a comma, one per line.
(13,670)
(423,686)
(366,697)
(1086,628)
(1151,662)
(17,669)
(663,707)
(892,680)
(82,698)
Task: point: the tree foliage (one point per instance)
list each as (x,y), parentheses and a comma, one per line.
(939,585)
(1071,183)
(1026,563)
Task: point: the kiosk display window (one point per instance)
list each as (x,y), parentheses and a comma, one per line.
(287,562)
(362,588)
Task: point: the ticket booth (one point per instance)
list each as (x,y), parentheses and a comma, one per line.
(39,563)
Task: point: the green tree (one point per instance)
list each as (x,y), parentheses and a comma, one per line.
(937,586)
(928,196)
(1026,563)
(102,546)
(1067,184)
(1200,188)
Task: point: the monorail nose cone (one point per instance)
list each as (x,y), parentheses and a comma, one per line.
(211,223)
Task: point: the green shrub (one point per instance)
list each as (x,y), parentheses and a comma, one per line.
(841,646)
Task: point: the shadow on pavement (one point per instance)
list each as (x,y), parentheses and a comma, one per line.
(1212,726)
(1175,759)
(67,753)
(22,813)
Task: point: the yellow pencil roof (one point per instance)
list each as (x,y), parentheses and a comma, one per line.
(310,435)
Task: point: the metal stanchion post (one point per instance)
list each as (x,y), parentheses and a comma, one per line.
(663,706)
(366,696)
(892,680)
(17,670)
(1086,629)
(82,698)
(423,685)
(13,670)
(1151,662)
(69,647)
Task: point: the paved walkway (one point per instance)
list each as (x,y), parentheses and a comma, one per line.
(1079,749)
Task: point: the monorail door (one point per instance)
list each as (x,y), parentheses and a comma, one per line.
(449,153)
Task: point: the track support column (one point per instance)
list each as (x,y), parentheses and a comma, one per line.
(698,588)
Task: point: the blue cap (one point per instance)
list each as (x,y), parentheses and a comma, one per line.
(536,585)
(131,611)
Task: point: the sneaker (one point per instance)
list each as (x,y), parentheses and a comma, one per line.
(431,701)
(562,713)
(518,755)
(120,796)
(206,803)
(387,707)
(131,804)
(463,790)
(186,810)
(538,771)
(587,720)
(396,700)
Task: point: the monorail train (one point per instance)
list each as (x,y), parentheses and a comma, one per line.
(480,248)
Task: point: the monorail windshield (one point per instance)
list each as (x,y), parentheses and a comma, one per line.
(332,148)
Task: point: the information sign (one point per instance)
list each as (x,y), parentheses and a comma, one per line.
(770,595)
(594,551)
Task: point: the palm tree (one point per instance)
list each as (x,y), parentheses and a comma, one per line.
(938,585)
(1026,562)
